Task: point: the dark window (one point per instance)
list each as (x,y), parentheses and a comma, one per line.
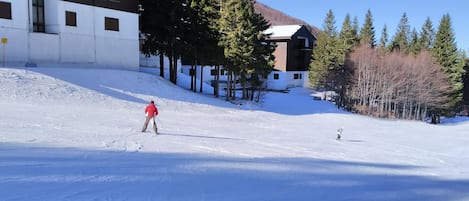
(276,76)
(301,76)
(5,10)
(39,24)
(302,43)
(70,18)
(296,76)
(111,24)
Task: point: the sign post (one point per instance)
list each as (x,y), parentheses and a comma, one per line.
(4,42)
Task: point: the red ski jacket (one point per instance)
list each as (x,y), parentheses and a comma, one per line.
(151,110)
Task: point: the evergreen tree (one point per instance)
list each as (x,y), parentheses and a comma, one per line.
(202,42)
(329,26)
(154,20)
(327,58)
(355,27)
(427,35)
(447,55)
(263,60)
(367,33)
(400,41)
(414,44)
(242,39)
(466,81)
(347,35)
(382,46)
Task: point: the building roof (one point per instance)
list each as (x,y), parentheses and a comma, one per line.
(282,31)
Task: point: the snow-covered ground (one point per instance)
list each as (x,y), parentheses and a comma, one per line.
(74,134)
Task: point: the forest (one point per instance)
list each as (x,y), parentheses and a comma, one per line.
(210,32)
(413,75)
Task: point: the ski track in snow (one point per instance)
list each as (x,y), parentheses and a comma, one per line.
(74,134)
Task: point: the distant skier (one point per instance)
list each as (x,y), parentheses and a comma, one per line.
(339,133)
(150,113)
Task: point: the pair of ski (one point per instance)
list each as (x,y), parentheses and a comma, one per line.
(155,129)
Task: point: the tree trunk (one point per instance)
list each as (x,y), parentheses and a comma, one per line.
(171,65)
(228,86)
(175,69)
(192,76)
(161,64)
(201,77)
(215,84)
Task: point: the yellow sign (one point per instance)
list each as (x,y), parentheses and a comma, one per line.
(4,40)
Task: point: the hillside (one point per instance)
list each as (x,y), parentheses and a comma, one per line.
(74,134)
(276,17)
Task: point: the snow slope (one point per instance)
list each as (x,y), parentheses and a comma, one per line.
(74,134)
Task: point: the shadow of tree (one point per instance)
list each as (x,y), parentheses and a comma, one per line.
(125,85)
(45,173)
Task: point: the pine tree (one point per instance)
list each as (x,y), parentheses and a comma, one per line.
(202,42)
(177,28)
(242,39)
(400,41)
(446,54)
(355,28)
(154,20)
(347,35)
(367,33)
(263,61)
(427,35)
(466,81)
(382,46)
(325,55)
(415,47)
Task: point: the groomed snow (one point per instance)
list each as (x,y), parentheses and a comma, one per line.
(74,134)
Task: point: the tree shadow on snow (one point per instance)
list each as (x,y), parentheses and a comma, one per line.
(125,85)
(197,136)
(45,173)
(128,85)
(298,101)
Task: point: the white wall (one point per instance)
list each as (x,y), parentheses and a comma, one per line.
(87,43)
(206,73)
(16,31)
(287,80)
(117,47)
(278,84)
(44,48)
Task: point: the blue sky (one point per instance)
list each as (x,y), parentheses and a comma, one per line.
(387,12)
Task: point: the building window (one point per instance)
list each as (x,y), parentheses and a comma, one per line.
(276,76)
(5,10)
(297,76)
(70,18)
(39,24)
(111,24)
(303,42)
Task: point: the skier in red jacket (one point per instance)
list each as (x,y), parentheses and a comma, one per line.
(150,113)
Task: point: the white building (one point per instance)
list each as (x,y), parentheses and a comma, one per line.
(84,32)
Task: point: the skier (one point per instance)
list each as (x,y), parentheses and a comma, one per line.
(150,113)
(339,133)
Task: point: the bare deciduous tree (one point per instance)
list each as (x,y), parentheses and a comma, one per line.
(396,85)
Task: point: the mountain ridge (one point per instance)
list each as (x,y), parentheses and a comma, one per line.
(276,17)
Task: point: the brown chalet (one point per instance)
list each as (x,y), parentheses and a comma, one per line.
(292,56)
